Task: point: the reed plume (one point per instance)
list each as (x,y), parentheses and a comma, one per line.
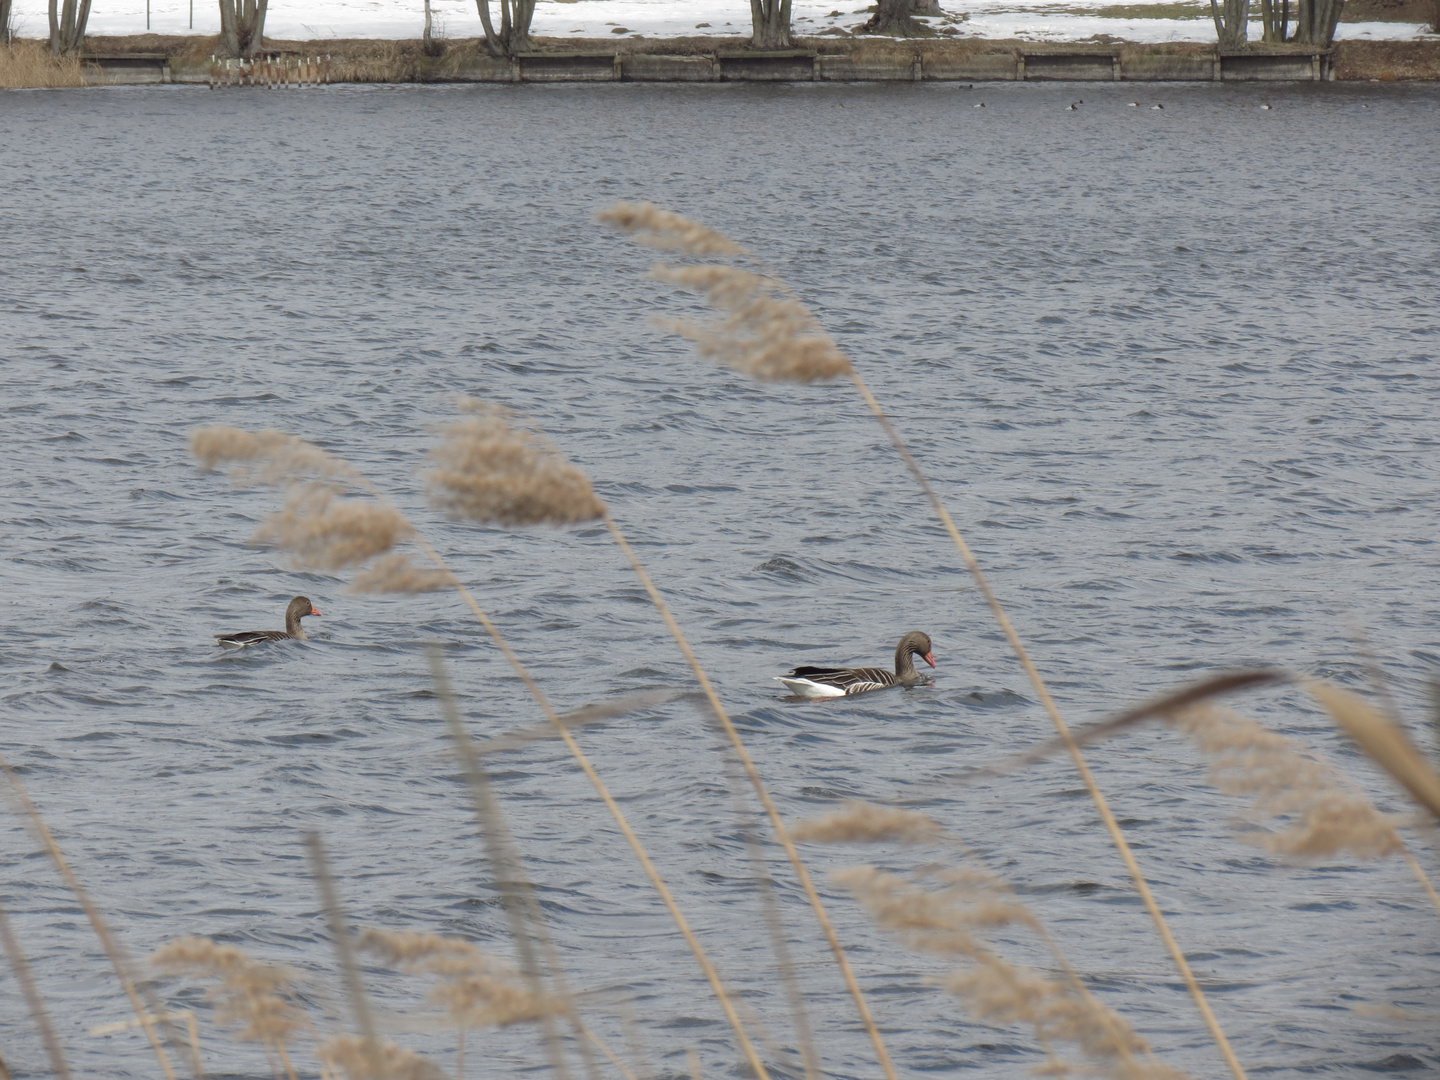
(491,470)
(326,532)
(251,995)
(488,470)
(357,1059)
(757,342)
(474,989)
(665,230)
(1323,813)
(867,823)
(948,922)
(395,573)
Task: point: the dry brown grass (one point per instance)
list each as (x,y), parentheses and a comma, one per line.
(950,922)
(867,823)
(31,65)
(1317,810)
(769,334)
(251,995)
(354,1057)
(474,989)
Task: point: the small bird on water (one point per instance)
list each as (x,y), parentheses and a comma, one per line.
(297,610)
(824,682)
(1266,106)
(1157,106)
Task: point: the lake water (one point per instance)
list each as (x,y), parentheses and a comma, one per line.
(1173,370)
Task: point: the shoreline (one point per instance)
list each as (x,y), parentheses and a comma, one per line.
(187,59)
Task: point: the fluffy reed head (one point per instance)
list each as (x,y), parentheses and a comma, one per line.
(647,224)
(268,457)
(765,333)
(351,1055)
(1320,812)
(250,994)
(473,988)
(488,470)
(866,823)
(948,923)
(326,532)
(395,573)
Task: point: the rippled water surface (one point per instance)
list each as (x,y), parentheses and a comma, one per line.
(1172,369)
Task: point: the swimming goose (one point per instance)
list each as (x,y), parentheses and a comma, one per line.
(824,682)
(298,609)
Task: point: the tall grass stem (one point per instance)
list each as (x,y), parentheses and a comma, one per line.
(781,833)
(33,1001)
(1112,826)
(112,948)
(345,952)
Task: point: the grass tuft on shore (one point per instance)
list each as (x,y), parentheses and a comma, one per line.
(30,65)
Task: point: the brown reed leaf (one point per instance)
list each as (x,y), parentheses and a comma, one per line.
(492,472)
(326,532)
(1382,739)
(1322,813)
(267,457)
(663,229)
(395,573)
(946,922)
(475,989)
(351,1054)
(251,993)
(866,823)
(766,333)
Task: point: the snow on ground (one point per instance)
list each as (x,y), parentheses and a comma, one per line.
(1031,20)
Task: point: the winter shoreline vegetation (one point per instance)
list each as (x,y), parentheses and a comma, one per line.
(493,468)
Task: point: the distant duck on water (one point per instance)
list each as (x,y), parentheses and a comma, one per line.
(298,609)
(823,682)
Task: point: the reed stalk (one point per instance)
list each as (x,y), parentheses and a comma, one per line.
(118,960)
(517,898)
(378,1059)
(769,334)
(781,833)
(485,470)
(33,1001)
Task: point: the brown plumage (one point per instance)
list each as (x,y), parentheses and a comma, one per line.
(298,609)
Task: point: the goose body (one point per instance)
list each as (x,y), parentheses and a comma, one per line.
(824,682)
(297,610)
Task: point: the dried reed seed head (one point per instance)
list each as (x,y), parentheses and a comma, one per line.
(326,532)
(765,334)
(269,457)
(1321,812)
(397,574)
(866,823)
(991,987)
(492,472)
(476,990)
(647,224)
(250,993)
(351,1055)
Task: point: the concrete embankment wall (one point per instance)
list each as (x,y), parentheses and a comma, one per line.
(898,61)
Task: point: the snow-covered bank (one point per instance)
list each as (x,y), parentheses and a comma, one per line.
(1031,20)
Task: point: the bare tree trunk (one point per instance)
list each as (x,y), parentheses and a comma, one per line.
(427,41)
(894,17)
(514,34)
(1315,21)
(770,23)
(6,37)
(1275,18)
(242,26)
(1231,22)
(67,26)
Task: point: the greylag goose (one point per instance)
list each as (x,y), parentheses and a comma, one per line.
(828,682)
(298,609)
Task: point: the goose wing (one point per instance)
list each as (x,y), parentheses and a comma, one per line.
(251,637)
(850,680)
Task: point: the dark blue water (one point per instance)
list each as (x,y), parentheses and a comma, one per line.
(1174,372)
